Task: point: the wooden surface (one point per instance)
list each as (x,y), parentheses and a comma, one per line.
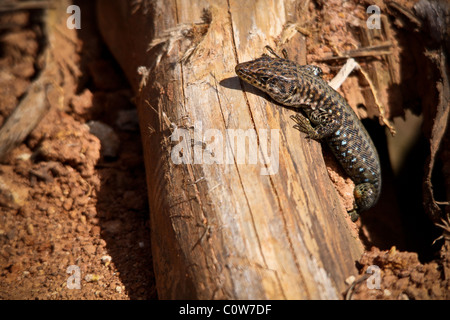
(223,230)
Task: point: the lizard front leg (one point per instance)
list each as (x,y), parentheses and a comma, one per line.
(324,124)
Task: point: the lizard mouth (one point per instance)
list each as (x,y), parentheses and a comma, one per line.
(243,71)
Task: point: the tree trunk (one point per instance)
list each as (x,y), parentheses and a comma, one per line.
(260,222)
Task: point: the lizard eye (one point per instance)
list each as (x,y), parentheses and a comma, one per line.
(318,71)
(264,79)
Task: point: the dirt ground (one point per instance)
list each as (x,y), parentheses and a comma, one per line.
(74,220)
(69,199)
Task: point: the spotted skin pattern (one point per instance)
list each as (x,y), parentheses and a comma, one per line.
(325,116)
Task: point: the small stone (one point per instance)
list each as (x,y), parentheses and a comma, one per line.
(403,296)
(417,277)
(98,293)
(30,229)
(90,212)
(68,204)
(106,260)
(109,139)
(73,214)
(95,230)
(92,277)
(80,228)
(12,194)
(24,156)
(82,104)
(90,249)
(51,211)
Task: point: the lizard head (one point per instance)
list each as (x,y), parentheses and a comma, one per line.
(275,76)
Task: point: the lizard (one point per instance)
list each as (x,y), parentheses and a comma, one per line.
(323,115)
